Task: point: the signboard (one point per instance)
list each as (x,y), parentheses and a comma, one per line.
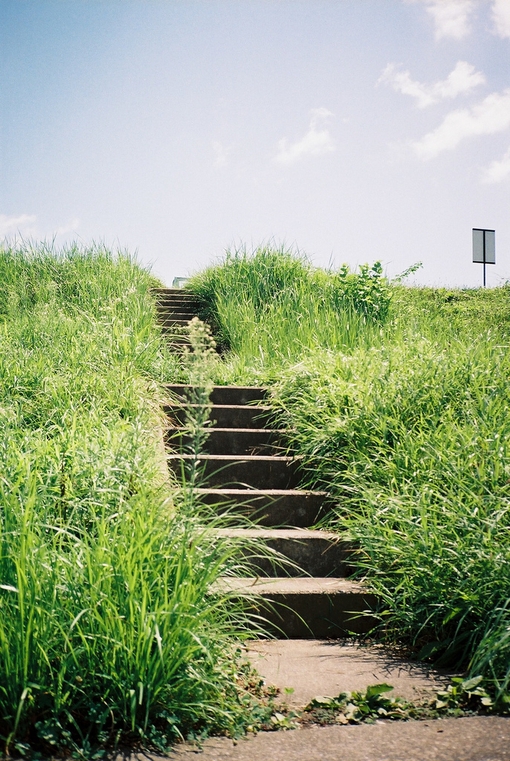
(484,246)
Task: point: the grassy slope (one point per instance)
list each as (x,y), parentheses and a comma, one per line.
(107,630)
(399,400)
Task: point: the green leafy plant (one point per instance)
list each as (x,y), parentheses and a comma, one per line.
(358,707)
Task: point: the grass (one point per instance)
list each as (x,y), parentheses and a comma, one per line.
(251,300)
(109,633)
(398,399)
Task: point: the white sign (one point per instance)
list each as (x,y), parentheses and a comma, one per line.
(484,246)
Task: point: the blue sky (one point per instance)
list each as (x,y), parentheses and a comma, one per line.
(354,130)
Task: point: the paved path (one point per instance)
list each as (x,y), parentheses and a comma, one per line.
(328,667)
(467,739)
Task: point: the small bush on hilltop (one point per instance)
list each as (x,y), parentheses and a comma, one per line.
(250,299)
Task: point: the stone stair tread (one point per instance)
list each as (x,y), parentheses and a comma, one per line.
(291,585)
(168,289)
(242,395)
(224,415)
(237,458)
(268,507)
(226,388)
(169,303)
(171,298)
(183,308)
(293,551)
(176,306)
(234,441)
(166,313)
(257,407)
(249,431)
(276,472)
(252,491)
(175,296)
(306,607)
(300,534)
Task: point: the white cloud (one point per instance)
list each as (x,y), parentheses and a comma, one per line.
(22,224)
(451,17)
(316,142)
(497,171)
(485,118)
(501,17)
(26,226)
(461,80)
(221,153)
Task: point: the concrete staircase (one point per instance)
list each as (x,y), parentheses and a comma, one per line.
(175,308)
(301,585)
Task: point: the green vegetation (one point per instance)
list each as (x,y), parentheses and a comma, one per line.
(462,697)
(399,400)
(252,301)
(397,397)
(108,630)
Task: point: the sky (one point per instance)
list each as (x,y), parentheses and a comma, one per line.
(350,130)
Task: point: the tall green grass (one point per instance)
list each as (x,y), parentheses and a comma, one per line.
(398,398)
(272,306)
(109,631)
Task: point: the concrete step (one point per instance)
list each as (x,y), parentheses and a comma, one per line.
(314,553)
(307,608)
(171,304)
(166,290)
(188,302)
(269,507)
(176,298)
(172,320)
(182,321)
(179,312)
(238,441)
(224,395)
(168,293)
(250,471)
(318,667)
(225,415)
(178,307)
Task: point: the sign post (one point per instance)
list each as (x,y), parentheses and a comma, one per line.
(484,248)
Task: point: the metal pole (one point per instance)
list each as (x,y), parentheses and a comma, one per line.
(484,276)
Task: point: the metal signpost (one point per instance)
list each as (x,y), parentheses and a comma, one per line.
(484,248)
